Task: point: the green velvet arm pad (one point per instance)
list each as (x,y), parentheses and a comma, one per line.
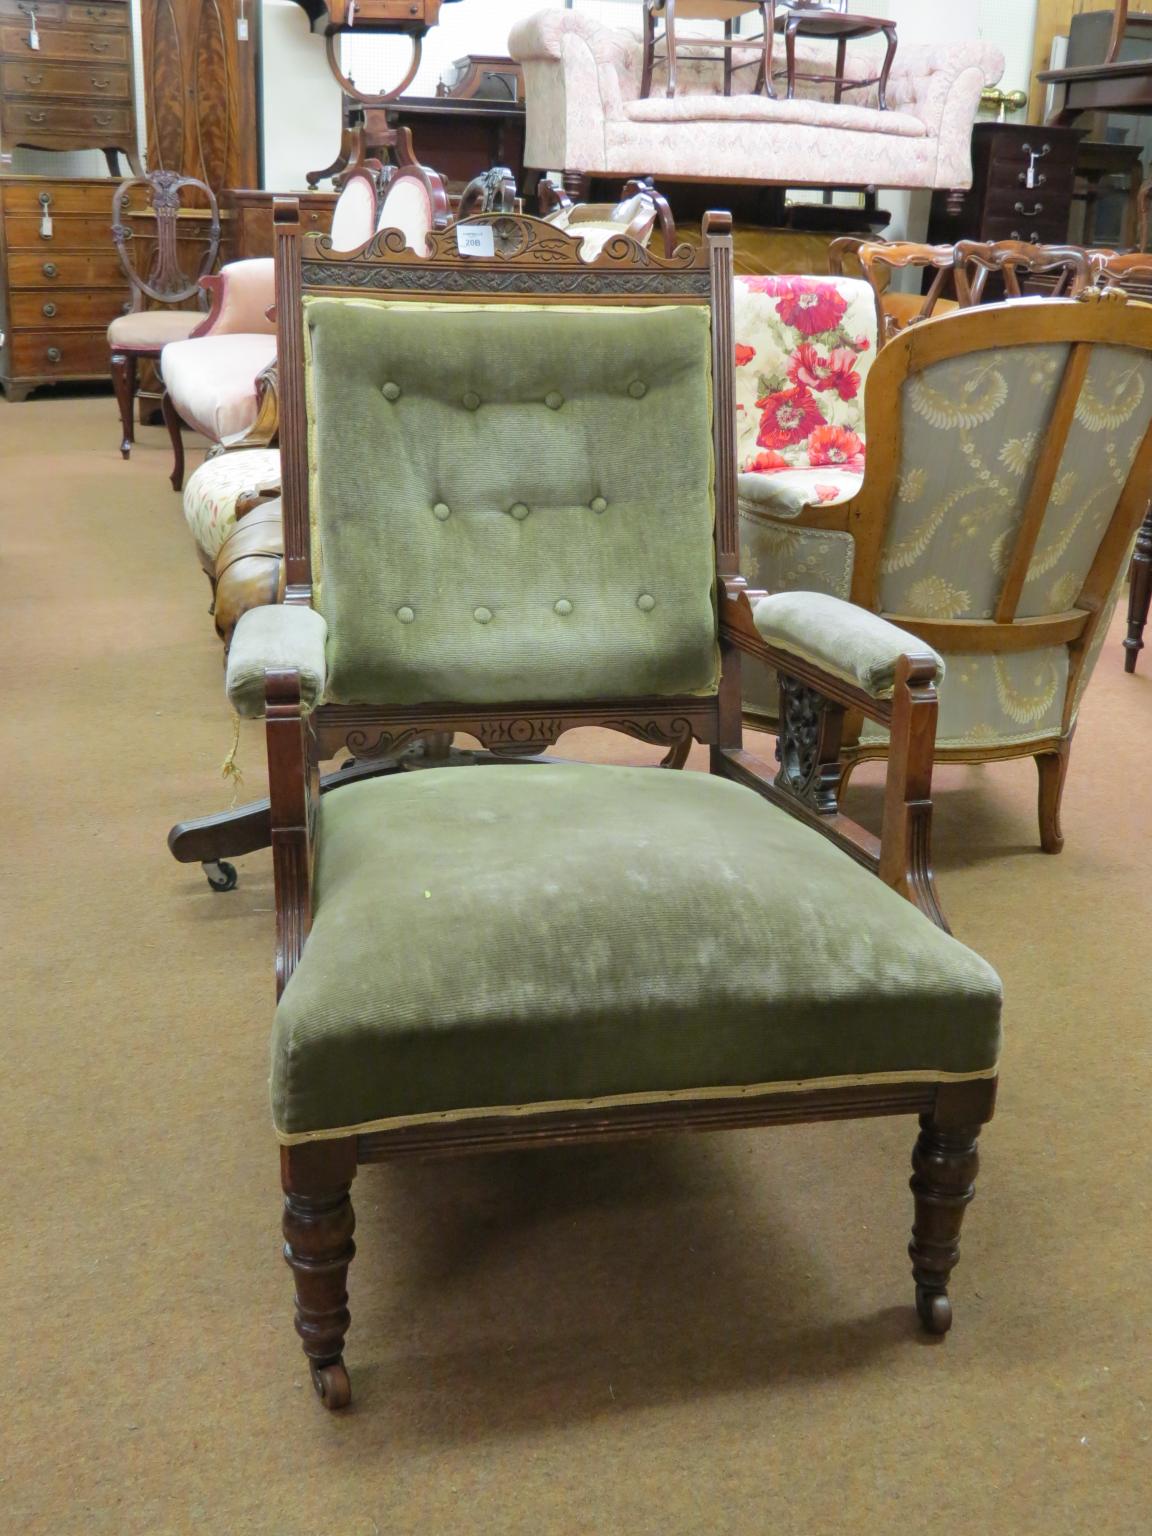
(840,638)
(276,638)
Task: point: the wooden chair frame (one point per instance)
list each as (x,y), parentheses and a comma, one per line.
(727,11)
(536,262)
(166,282)
(831,19)
(1093,319)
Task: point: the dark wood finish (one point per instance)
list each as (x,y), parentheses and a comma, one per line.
(831,20)
(60,282)
(539,262)
(1139,594)
(1023,179)
(161,278)
(251,218)
(66,78)
(203,116)
(945,1163)
(487,77)
(462,139)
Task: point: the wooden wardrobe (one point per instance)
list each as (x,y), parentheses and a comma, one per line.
(202,64)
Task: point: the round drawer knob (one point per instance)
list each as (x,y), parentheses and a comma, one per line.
(53,354)
(50,269)
(49,311)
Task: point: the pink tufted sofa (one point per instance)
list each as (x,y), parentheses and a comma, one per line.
(585,115)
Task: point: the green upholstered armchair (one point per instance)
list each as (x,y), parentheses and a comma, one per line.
(509,509)
(1009,459)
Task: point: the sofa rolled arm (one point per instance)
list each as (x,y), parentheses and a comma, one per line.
(276,638)
(838,637)
(242,293)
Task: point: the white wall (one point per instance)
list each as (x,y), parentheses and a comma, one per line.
(302,111)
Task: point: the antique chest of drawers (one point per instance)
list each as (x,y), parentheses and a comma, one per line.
(1022,180)
(66,77)
(61,281)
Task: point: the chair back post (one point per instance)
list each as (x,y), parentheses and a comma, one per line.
(166,282)
(718,235)
(289,344)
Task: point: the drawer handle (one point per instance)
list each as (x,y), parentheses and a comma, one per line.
(36,117)
(33,79)
(50,269)
(1045,149)
(100,85)
(98,46)
(53,354)
(104,119)
(1040,180)
(97,12)
(48,311)
(1033,238)
(1029,213)
(30,10)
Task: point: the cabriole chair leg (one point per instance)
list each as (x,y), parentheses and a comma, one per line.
(318,1227)
(173,423)
(123,367)
(1053,770)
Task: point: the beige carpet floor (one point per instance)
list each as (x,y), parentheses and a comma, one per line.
(696,1335)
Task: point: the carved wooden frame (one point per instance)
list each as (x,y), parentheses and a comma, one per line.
(534,260)
(1095,317)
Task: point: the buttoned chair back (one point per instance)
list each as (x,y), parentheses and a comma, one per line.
(465,485)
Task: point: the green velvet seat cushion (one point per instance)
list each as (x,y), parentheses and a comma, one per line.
(498,937)
(510,503)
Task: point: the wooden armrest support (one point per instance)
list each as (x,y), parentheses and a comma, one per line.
(294,792)
(812,709)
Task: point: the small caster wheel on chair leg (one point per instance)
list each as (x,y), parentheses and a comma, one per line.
(331,1382)
(220,874)
(934,1309)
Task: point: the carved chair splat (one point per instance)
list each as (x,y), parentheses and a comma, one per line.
(164,284)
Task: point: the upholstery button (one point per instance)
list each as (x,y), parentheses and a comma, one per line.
(553,399)
(391,391)
(645,602)
(563,607)
(470,400)
(518,510)
(482,615)
(598,504)
(405,615)
(637,389)
(441,511)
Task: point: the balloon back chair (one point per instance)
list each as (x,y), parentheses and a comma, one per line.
(509,510)
(160,279)
(222,380)
(1009,456)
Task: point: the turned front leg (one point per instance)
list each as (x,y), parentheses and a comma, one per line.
(945,1162)
(318,1226)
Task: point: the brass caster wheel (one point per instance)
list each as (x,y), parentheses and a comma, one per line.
(934,1309)
(332,1385)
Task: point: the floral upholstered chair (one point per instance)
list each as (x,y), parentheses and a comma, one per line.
(1010,458)
(539,952)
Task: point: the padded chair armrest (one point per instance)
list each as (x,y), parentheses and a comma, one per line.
(276,638)
(242,293)
(837,637)
(834,658)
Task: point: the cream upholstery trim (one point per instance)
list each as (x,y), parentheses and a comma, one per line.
(671,1096)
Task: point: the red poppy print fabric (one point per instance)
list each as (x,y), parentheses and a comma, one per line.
(803,349)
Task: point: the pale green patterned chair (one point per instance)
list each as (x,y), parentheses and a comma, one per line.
(509,509)
(1008,471)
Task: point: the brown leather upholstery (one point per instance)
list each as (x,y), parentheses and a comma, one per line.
(249,567)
